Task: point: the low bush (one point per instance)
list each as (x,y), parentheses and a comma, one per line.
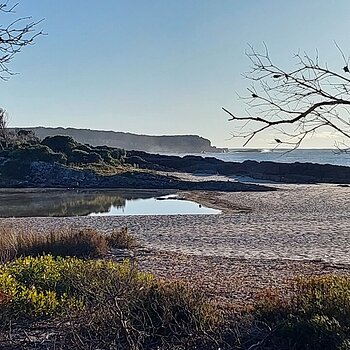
(60,143)
(85,243)
(37,153)
(36,287)
(14,169)
(78,156)
(110,305)
(131,310)
(314,314)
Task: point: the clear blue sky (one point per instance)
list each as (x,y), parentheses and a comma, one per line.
(159,66)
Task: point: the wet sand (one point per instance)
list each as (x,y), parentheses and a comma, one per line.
(262,238)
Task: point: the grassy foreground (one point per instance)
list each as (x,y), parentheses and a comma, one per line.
(57,293)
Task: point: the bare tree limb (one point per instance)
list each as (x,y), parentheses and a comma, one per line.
(296,102)
(14,36)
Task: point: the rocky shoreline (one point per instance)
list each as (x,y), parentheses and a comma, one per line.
(60,161)
(54,175)
(302,173)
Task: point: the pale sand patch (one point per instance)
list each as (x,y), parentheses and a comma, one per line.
(230,280)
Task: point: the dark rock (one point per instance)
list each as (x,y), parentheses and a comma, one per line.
(280,172)
(42,174)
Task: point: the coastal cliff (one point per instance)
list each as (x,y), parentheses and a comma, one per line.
(128,141)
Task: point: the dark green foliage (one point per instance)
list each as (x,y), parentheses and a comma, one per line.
(16,159)
(85,148)
(106,156)
(58,143)
(317,332)
(110,155)
(25,137)
(78,156)
(14,169)
(118,153)
(4,153)
(37,153)
(315,316)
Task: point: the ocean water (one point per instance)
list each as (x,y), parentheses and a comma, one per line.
(320,156)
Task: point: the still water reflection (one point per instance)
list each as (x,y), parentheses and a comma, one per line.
(36,203)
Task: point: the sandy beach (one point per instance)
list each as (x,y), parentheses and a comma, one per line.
(261,238)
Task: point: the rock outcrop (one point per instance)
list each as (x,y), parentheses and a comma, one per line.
(279,172)
(55,175)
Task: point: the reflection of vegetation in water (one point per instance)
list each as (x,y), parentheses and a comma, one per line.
(87,204)
(60,203)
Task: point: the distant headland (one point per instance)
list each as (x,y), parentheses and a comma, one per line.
(129,141)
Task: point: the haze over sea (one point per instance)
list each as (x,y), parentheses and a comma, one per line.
(320,156)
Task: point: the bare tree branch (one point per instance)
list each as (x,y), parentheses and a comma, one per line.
(15,35)
(296,102)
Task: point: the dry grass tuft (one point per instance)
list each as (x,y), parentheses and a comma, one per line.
(82,242)
(121,239)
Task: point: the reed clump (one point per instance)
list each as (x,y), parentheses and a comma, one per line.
(66,241)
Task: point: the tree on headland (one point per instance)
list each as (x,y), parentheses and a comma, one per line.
(14,36)
(295,103)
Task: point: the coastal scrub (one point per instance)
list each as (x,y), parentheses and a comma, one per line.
(104,302)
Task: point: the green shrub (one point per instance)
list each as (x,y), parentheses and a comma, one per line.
(314,315)
(36,287)
(131,310)
(15,169)
(60,143)
(37,153)
(110,155)
(85,148)
(110,305)
(78,156)
(106,156)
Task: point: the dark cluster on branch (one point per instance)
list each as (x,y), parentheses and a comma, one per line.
(19,33)
(295,103)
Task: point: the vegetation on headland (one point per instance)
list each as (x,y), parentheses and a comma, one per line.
(23,148)
(59,161)
(57,287)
